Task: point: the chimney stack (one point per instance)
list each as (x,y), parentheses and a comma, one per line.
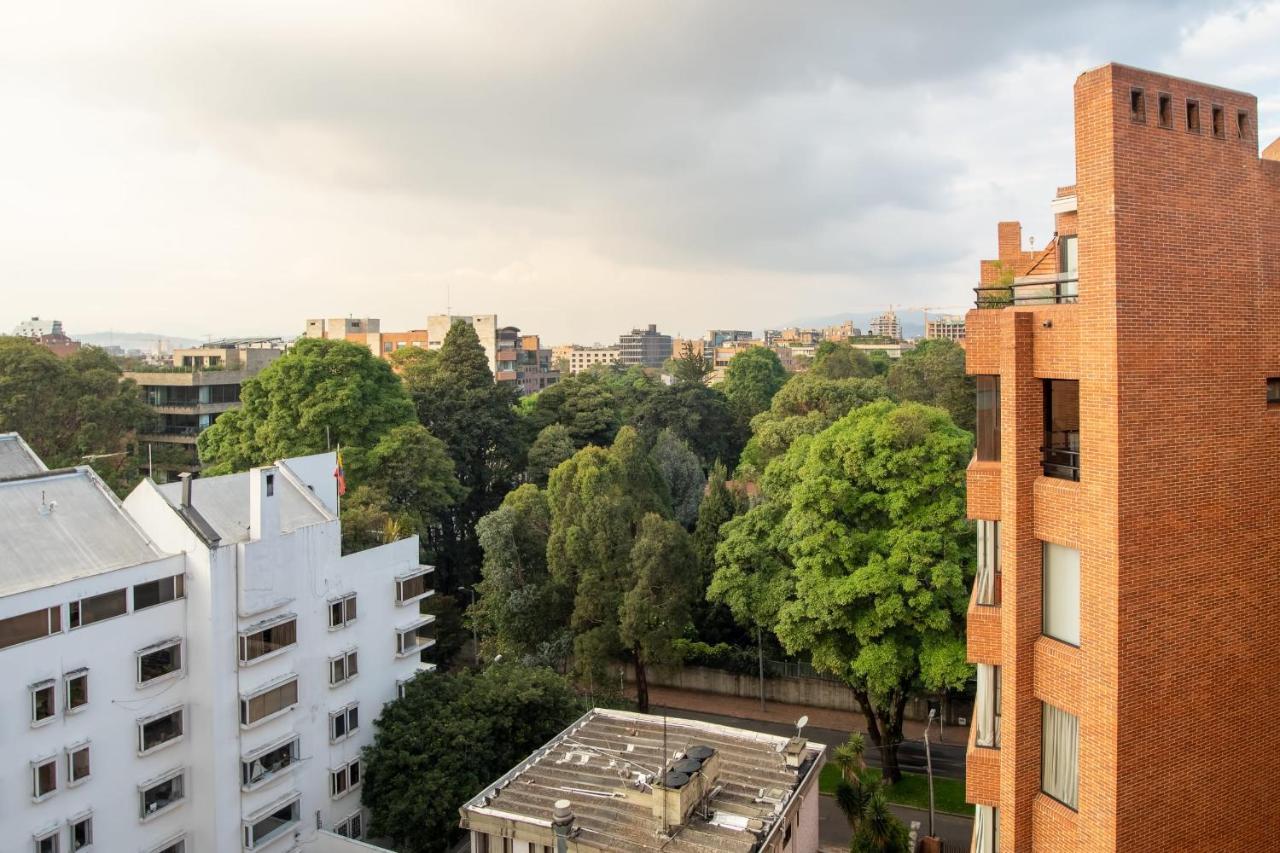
(185,477)
(562,825)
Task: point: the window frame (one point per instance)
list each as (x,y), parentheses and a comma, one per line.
(75,609)
(71,752)
(345,713)
(987,420)
(401,651)
(347,659)
(177,591)
(343,774)
(242,643)
(36,765)
(67,678)
(51,834)
(344,829)
(349,607)
(84,818)
(143,722)
(33,691)
(53,624)
(292,801)
(292,741)
(177,672)
(269,687)
(179,774)
(1044,593)
(1045,709)
(401,580)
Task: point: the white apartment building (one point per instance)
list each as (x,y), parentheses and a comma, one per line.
(194,670)
(486,326)
(580,358)
(949,328)
(887,326)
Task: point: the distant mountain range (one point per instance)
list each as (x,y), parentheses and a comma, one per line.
(145,341)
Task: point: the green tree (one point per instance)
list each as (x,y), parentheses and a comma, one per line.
(321,394)
(879,831)
(585,405)
(553,445)
(655,610)
(449,736)
(881,555)
(73,410)
(853,795)
(459,403)
(752,378)
(518,606)
(933,374)
(450,631)
(697,414)
(681,473)
(839,360)
(689,365)
(713,621)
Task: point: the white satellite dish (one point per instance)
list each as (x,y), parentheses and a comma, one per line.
(801,723)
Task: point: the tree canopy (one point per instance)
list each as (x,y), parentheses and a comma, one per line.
(689,365)
(449,736)
(698,415)
(681,473)
(933,374)
(752,378)
(553,445)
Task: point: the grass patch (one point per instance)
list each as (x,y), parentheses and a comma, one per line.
(913,790)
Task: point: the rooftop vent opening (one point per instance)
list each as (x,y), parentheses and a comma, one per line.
(1193,116)
(1166,110)
(1219,125)
(1242,124)
(1138,105)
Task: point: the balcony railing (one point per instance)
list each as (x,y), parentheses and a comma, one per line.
(1030,290)
(1060,462)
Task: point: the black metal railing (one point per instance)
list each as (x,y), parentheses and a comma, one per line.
(1057,291)
(1060,462)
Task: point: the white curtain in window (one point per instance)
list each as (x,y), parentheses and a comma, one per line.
(1062,593)
(984,710)
(984,830)
(1060,755)
(988,561)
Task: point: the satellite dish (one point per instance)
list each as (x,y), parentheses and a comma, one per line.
(801,723)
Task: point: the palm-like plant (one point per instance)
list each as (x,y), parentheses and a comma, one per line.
(880,831)
(853,795)
(849,757)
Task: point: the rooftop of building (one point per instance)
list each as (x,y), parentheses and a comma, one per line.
(606,765)
(59,526)
(223,503)
(16,458)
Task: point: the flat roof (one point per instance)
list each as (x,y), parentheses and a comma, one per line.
(599,765)
(16,458)
(223,502)
(60,526)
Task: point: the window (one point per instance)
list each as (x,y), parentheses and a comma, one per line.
(47,842)
(44,778)
(1137,105)
(75,685)
(272,825)
(265,764)
(1061,606)
(175,846)
(279,635)
(1165,103)
(342,780)
(986,706)
(1273,391)
(1060,454)
(81,832)
(156,797)
(269,702)
(158,592)
(988,579)
(342,611)
(160,729)
(1219,122)
(343,668)
(1060,755)
(159,661)
(271,484)
(77,764)
(351,827)
(1242,124)
(411,640)
(30,626)
(986,829)
(412,588)
(1069,269)
(96,608)
(1193,116)
(344,723)
(988,418)
(43,706)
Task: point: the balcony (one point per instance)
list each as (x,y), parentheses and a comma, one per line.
(1060,453)
(1059,289)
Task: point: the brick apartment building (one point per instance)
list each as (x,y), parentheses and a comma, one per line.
(1124,616)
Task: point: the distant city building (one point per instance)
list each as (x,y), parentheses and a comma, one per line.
(192,391)
(579,358)
(618,780)
(944,328)
(47,333)
(368,332)
(523,360)
(485,325)
(887,326)
(180,668)
(644,347)
(842,332)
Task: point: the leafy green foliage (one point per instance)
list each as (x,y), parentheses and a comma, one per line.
(681,473)
(320,394)
(689,365)
(713,621)
(449,736)
(839,360)
(933,374)
(879,831)
(71,408)
(450,632)
(592,405)
(553,445)
(698,415)
(459,403)
(752,378)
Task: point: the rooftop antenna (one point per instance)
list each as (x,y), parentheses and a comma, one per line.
(801,723)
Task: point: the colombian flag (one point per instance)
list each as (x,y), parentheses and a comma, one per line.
(340,476)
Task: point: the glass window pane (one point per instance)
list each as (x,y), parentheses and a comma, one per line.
(988,424)
(1061,593)
(1059,755)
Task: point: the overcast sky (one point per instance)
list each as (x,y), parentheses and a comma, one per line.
(576,167)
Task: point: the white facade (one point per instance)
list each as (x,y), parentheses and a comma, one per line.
(252,553)
(486,326)
(36,328)
(887,326)
(581,358)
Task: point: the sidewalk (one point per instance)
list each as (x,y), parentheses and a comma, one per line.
(777,712)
